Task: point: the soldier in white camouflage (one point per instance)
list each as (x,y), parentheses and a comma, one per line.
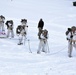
(43,41)
(2,20)
(10,27)
(21,30)
(71,37)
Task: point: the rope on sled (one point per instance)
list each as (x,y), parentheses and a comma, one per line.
(58,51)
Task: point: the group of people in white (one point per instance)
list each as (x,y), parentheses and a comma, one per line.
(21,31)
(71,37)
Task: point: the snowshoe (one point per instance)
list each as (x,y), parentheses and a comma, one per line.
(20,43)
(70,56)
(43,51)
(38,52)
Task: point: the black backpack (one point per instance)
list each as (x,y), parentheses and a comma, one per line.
(45,33)
(19,29)
(69,30)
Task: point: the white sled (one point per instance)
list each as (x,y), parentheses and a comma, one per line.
(2,35)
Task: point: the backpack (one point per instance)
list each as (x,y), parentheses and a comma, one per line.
(8,26)
(2,18)
(24,21)
(67,32)
(19,29)
(45,33)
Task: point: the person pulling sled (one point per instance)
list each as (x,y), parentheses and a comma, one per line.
(71,37)
(43,41)
(21,31)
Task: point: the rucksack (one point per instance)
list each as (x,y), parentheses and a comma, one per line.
(23,20)
(19,29)
(67,32)
(45,33)
(7,23)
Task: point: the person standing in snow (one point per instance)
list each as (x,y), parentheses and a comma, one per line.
(74,36)
(71,37)
(74,33)
(22,30)
(43,41)
(10,31)
(2,20)
(40,27)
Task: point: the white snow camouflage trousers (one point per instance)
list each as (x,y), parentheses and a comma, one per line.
(1,26)
(70,48)
(21,36)
(42,46)
(10,33)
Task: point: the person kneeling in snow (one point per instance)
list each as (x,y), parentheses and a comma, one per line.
(43,41)
(22,30)
(9,24)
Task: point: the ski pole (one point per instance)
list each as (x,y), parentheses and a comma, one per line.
(29,46)
(24,39)
(48,47)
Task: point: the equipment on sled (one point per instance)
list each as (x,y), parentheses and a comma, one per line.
(2,34)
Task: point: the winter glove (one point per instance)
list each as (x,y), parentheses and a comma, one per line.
(24,32)
(46,37)
(44,42)
(39,37)
(3,21)
(26,26)
(71,36)
(67,39)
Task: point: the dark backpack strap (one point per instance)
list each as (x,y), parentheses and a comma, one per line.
(67,32)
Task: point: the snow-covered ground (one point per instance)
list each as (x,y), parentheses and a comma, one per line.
(58,15)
